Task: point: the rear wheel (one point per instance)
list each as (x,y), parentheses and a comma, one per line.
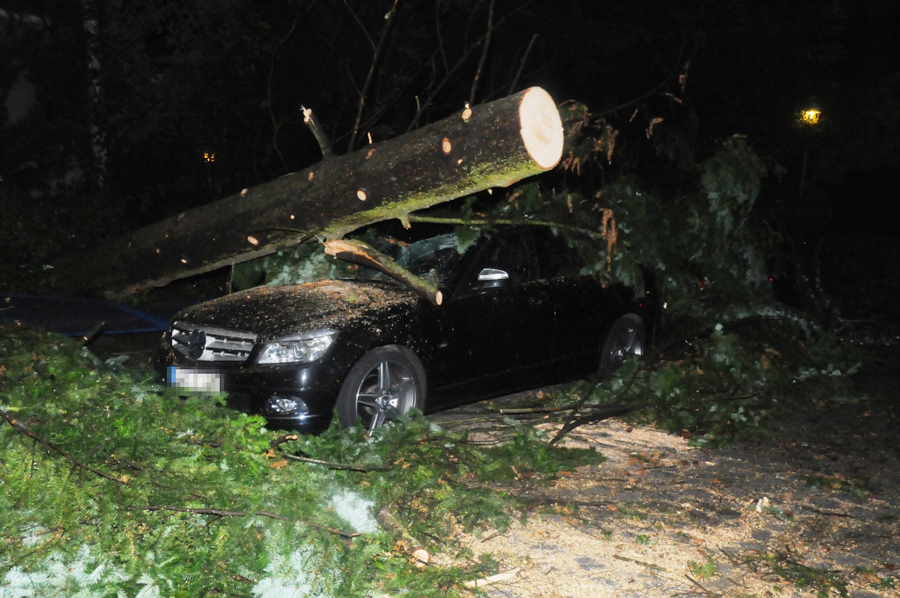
(386,383)
(626,337)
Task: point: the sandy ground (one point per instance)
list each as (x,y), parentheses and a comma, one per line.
(811,510)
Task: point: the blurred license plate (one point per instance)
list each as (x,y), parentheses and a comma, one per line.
(200,381)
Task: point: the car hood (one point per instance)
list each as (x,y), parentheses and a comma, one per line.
(271,312)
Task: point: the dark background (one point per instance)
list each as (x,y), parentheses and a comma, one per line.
(111,106)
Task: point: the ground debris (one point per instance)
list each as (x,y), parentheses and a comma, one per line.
(660,518)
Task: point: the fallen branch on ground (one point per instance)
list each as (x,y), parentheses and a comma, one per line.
(222,513)
(341,466)
(26,432)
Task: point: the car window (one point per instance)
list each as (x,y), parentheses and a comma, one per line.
(510,253)
(556,257)
(432,259)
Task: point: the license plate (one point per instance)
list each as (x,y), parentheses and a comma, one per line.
(194,380)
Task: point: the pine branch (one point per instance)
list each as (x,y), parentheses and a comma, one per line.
(26,432)
(504,221)
(222,513)
(341,466)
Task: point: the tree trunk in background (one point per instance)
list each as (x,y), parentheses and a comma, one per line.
(490,145)
(95,95)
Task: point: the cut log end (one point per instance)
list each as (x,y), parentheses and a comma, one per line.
(542,129)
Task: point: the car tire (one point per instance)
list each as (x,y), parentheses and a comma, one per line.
(626,337)
(383,385)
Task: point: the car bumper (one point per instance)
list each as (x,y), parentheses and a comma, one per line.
(263,390)
(297,397)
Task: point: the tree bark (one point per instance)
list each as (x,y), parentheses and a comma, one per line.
(489,145)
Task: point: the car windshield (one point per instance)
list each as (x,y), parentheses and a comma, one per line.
(432,259)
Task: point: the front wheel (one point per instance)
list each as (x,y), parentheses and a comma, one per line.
(626,337)
(386,383)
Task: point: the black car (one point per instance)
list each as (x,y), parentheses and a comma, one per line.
(517,314)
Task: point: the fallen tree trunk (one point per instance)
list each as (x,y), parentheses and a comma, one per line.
(490,145)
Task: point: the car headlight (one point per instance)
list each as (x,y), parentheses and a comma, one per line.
(300,348)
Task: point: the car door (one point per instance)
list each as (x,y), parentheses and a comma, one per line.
(501,318)
(576,303)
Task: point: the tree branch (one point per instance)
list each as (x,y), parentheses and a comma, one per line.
(530,410)
(598,413)
(708,332)
(678,65)
(504,221)
(276,126)
(522,64)
(388,19)
(221,513)
(341,466)
(437,28)
(362,253)
(487,45)
(316,128)
(26,432)
(361,26)
(424,106)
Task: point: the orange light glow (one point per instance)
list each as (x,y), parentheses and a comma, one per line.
(811,116)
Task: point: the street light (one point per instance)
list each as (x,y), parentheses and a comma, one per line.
(809,116)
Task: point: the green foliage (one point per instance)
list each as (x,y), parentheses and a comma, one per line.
(700,240)
(704,570)
(113,487)
(727,384)
(303,263)
(731,355)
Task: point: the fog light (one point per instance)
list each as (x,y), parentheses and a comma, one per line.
(286,406)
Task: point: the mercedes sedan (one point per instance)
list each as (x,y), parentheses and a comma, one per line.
(517,313)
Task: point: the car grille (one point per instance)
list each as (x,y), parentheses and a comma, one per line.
(201,343)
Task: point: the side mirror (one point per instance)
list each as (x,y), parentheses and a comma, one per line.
(491,278)
(492,274)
